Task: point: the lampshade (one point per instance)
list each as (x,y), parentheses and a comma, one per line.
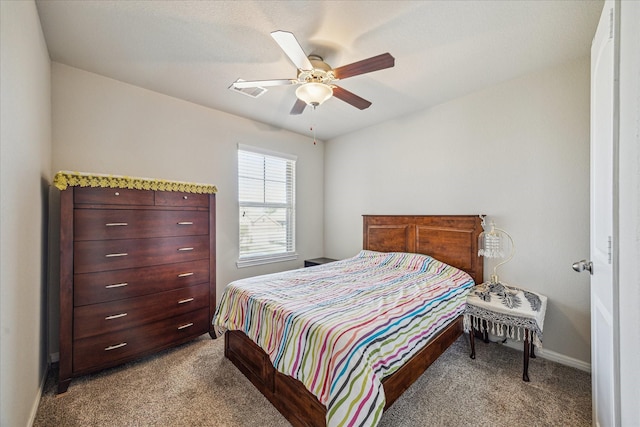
(495,243)
(314,94)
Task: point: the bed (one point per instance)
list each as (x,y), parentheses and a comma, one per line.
(448,241)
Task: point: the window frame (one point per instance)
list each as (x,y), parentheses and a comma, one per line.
(290,253)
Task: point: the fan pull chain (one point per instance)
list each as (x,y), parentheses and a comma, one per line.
(312,128)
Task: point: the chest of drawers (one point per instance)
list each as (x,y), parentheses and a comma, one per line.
(137,274)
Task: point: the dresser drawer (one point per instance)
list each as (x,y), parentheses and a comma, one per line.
(112,196)
(113,348)
(93,288)
(175,198)
(103,224)
(103,255)
(96,319)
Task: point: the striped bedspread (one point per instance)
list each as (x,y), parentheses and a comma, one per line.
(340,328)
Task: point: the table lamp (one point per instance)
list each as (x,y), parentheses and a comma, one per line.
(495,243)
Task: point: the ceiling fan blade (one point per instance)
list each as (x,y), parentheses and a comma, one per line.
(242,84)
(350,98)
(298,107)
(374,63)
(289,44)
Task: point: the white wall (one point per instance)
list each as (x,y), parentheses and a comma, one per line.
(25,169)
(518,152)
(106,126)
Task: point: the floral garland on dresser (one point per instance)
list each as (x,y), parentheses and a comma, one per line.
(64,179)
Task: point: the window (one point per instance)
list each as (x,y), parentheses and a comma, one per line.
(266,199)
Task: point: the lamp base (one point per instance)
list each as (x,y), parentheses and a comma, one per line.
(496,286)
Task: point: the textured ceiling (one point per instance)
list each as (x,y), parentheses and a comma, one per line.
(194,50)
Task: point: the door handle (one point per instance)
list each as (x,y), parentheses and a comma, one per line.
(583,265)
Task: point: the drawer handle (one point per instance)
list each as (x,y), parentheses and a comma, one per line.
(185,223)
(185,197)
(116,224)
(116,285)
(185,274)
(113,347)
(115,316)
(116,194)
(188,325)
(185,249)
(182,301)
(116,255)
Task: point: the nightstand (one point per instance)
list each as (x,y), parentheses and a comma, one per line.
(317,261)
(508,312)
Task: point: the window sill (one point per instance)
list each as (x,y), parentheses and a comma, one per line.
(250,262)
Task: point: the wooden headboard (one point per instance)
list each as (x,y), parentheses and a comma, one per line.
(452,239)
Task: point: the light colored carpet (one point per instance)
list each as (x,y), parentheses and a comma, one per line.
(194,385)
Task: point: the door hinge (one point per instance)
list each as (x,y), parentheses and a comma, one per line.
(609,250)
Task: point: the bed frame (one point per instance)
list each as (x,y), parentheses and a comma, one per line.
(452,239)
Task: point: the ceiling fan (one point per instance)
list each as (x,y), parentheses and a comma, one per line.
(316,77)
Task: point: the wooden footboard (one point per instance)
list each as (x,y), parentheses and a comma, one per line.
(296,403)
(288,395)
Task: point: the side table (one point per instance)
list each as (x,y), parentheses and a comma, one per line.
(509,312)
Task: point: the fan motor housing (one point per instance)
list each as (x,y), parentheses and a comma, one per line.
(320,73)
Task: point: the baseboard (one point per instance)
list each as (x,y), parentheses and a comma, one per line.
(553,356)
(36,404)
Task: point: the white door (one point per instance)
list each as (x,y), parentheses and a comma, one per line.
(604,119)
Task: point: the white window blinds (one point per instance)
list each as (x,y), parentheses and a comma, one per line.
(266,199)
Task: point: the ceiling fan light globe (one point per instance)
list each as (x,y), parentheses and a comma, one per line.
(314,94)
